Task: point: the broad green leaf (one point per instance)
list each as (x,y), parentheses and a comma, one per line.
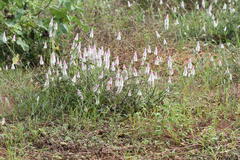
(23,44)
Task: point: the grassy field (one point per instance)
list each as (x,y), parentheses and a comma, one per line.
(118,79)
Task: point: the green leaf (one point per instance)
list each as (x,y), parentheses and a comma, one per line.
(2,5)
(63,28)
(23,44)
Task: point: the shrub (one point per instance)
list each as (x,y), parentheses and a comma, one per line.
(26,26)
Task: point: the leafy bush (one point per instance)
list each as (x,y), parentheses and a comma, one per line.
(26,26)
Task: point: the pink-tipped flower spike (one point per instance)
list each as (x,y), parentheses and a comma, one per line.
(125,73)
(76,37)
(109,84)
(79,47)
(209,11)
(185,72)
(51,23)
(53,59)
(99,62)
(73,46)
(176,22)
(230,77)
(135,73)
(165,42)
(119,37)
(169,62)
(182,5)
(149,49)
(193,71)
(74,79)
(79,93)
(46,84)
(41,62)
(60,63)
(215,23)
(107,64)
(161,2)
(156,51)
(198,48)
(190,64)
(119,84)
(166,22)
(13,67)
(151,78)
(144,55)
(4,37)
(169,80)
(222,46)
(107,59)
(45,45)
(135,57)
(55,29)
(168,89)
(211,59)
(97,101)
(129,93)
(197,6)
(220,63)
(225,29)
(64,71)
(65,64)
(91,33)
(157,34)
(129,4)
(14,38)
(124,68)
(224,7)
(118,74)
(147,69)
(113,67)
(3,121)
(51,28)
(78,75)
(174,9)
(203,4)
(157,61)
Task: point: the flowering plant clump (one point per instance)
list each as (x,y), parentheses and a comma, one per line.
(96,79)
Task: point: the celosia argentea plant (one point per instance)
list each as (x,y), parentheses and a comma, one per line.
(91,80)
